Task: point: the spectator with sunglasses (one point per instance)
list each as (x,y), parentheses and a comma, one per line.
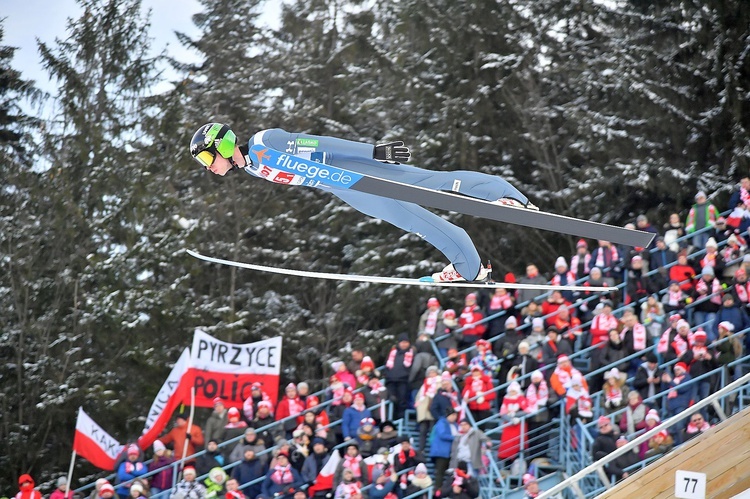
(215,147)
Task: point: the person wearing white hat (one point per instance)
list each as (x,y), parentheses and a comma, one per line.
(162,459)
(62,491)
(702,215)
(188,487)
(563,277)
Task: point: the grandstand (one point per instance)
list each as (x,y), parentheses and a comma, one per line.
(559,452)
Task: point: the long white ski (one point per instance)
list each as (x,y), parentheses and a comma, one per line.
(404,281)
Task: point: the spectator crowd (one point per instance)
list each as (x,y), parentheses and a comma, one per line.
(484,379)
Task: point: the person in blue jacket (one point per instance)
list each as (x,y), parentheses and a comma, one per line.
(215,147)
(443,434)
(353,415)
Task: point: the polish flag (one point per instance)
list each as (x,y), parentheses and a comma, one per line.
(94,444)
(172,393)
(324,480)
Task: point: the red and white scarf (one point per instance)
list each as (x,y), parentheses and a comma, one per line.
(353,464)
(745,196)
(565,376)
(691,428)
(639,336)
(432,320)
(663,344)
(701,287)
(295,406)
(537,397)
(674,298)
(501,301)
(680,345)
(613,393)
(428,389)
(402,457)
(408,358)
(576,260)
(282,474)
(742,290)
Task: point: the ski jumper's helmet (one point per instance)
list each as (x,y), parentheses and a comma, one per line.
(212,139)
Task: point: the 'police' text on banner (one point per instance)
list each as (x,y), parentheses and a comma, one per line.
(227,370)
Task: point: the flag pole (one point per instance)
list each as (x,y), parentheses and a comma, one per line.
(189,427)
(69,493)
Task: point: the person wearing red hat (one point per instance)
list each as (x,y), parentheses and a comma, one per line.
(658,445)
(188,487)
(430,318)
(479,394)
(446,336)
(580,263)
(26,488)
(366,371)
(500,301)
(353,415)
(132,467)
(235,425)
(107,491)
(264,419)
(214,427)
(289,409)
(700,360)
(250,405)
(679,396)
(485,359)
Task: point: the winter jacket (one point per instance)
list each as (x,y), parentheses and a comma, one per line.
(443,435)
(350,420)
(257,446)
(312,466)
(188,490)
(128,471)
(163,479)
(271,486)
(476,440)
(177,436)
(733,314)
(246,472)
(214,428)
(681,400)
(399,371)
(442,401)
(640,382)
(208,461)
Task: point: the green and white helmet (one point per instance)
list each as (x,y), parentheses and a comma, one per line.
(212,139)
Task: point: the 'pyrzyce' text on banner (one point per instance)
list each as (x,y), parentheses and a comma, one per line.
(227,370)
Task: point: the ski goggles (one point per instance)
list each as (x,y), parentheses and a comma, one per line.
(219,140)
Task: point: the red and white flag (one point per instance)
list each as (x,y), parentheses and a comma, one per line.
(228,370)
(172,393)
(94,444)
(324,481)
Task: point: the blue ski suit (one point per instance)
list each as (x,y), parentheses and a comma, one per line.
(451,240)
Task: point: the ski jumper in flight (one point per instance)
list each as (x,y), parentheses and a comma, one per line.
(215,147)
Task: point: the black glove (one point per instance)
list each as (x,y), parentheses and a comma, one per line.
(395,152)
(188,436)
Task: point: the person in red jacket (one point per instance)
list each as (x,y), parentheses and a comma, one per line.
(478,387)
(552,304)
(470,316)
(290,405)
(26,485)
